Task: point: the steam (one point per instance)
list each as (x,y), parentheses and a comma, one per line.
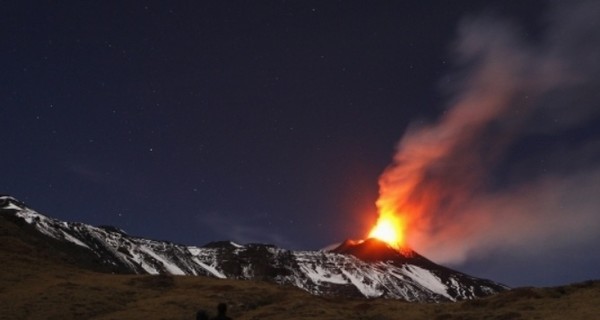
(514,162)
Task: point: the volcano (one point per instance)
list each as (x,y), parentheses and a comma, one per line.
(372,249)
(370,268)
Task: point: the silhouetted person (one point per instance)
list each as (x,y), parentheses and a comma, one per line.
(201,315)
(221,312)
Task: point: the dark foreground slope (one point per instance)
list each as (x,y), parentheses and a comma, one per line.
(38,284)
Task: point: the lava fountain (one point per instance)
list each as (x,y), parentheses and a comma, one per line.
(390,229)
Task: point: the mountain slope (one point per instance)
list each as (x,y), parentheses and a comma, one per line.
(366,269)
(37,283)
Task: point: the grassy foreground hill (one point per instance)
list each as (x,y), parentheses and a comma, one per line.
(41,281)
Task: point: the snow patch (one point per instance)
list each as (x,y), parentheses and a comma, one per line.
(366,290)
(428,280)
(319,274)
(210,269)
(171,268)
(74,240)
(236,244)
(12,206)
(194,250)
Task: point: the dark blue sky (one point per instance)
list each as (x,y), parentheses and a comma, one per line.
(253,121)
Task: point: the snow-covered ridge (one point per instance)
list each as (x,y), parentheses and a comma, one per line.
(318,272)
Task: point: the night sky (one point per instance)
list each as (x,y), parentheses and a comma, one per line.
(266,121)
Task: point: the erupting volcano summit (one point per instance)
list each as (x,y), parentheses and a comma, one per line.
(389,229)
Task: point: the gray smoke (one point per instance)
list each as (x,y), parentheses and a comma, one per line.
(513,165)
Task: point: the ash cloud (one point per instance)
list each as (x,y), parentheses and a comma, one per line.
(513,165)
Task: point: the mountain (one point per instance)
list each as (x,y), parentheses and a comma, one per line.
(367,268)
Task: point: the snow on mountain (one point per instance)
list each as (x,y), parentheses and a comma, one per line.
(353,269)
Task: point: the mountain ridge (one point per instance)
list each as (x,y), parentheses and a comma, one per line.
(350,270)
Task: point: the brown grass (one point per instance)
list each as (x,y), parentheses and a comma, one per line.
(39,284)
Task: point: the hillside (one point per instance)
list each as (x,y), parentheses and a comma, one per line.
(356,269)
(38,282)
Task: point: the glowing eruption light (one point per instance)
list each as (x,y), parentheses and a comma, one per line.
(389,229)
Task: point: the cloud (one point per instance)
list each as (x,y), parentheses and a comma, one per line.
(241,229)
(513,165)
(546,216)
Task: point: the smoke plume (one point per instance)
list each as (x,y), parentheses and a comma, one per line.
(514,162)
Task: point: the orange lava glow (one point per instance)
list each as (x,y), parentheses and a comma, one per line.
(389,228)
